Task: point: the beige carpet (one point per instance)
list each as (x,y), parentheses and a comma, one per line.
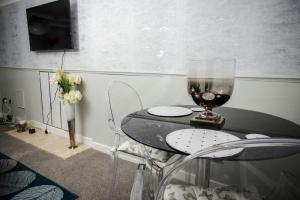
(88,174)
(51,143)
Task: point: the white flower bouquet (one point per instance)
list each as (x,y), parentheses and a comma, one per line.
(67,84)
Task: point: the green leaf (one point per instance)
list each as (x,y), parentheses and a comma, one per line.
(15,181)
(65,84)
(43,192)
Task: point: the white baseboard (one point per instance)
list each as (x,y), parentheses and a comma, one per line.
(50,129)
(107,150)
(85,140)
(101,147)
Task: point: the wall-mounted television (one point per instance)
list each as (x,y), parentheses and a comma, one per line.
(49,26)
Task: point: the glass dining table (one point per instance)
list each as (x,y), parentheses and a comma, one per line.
(152,130)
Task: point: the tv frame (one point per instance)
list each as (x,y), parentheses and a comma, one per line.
(73,35)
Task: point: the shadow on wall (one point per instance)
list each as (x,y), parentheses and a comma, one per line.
(82,109)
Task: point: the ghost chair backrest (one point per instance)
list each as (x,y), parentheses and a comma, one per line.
(121,99)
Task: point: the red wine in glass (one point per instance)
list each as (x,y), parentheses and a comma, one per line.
(210,84)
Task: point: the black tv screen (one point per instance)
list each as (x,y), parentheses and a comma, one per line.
(49,26)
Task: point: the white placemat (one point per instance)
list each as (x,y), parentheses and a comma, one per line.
(192,140)
(197,109)
(254,136)
(169,111)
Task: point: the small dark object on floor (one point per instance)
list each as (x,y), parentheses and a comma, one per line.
(73,147)
(21,127)
(31,130)
(9,118)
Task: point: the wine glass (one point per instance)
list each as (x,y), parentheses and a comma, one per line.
(210,83)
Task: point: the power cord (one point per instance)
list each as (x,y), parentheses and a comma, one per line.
(48,114)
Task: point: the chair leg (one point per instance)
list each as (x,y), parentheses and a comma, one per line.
(160,175)
(155,179)
(138,188)
(187,173)
(113,185)
(203,173)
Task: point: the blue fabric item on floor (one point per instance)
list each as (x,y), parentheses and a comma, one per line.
(17,182)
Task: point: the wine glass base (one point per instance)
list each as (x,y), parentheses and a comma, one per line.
(218,122)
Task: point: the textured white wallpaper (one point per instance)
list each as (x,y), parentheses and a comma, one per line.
(158,36)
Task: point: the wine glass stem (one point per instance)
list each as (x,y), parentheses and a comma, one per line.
(208,110)
(208,114)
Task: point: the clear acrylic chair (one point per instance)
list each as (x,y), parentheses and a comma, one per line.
(254,169)
(122,99)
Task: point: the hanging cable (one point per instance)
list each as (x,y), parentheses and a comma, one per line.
(55,94)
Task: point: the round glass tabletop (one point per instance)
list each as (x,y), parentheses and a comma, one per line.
(152,130)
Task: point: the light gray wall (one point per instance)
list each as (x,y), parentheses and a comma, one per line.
(274,96)
(160,35)
(28,81)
